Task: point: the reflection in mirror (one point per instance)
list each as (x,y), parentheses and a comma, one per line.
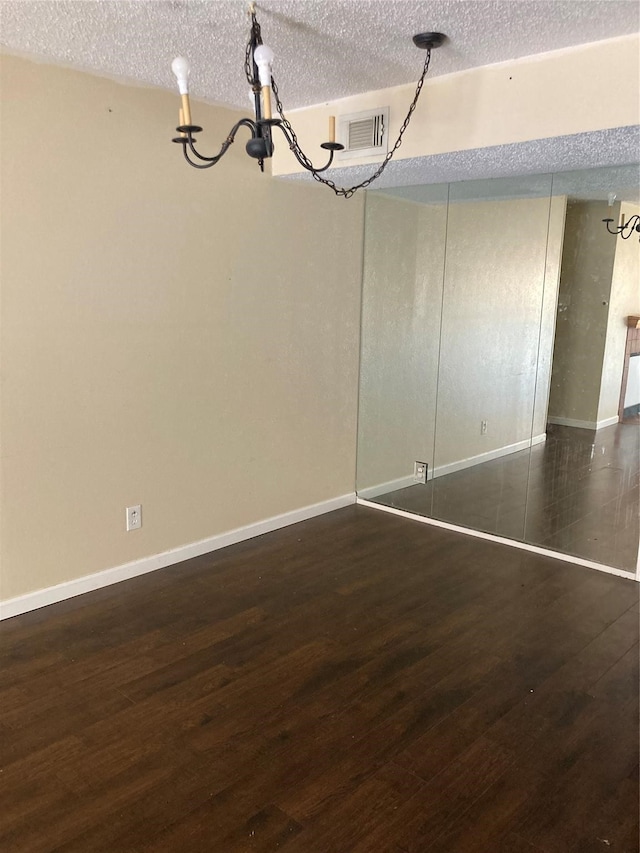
(402,297)
(501,281)
(495,349)
(583,490)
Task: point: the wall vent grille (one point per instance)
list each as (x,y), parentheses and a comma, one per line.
(364,134)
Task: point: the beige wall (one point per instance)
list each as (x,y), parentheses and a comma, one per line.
(402,296)
(537,97)
(624,300)
(181,339)
(583,308)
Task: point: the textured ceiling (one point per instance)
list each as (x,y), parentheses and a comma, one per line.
(558,154)
(583,184)
(325,49)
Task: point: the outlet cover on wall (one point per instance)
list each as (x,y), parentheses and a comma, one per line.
(420,472)
(134,517)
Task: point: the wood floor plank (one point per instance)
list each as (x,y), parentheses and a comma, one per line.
(435,807)
(357,683)
(363,813)
(602,779)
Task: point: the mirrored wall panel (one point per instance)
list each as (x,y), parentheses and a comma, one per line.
(498,383)
(501,273)
(403,270)
(583,487)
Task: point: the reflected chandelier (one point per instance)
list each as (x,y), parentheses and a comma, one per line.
(258,65)
(625,229)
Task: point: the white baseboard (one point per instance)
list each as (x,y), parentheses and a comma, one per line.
(50,595)
(506,450)
(608,422)
(502,540)
(389,486)
(443,470)
(571,422)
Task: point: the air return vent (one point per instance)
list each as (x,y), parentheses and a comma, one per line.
(364,134)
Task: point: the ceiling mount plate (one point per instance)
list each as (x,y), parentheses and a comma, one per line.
(427,41)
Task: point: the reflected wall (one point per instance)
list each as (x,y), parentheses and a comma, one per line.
(496,278)
(465,355)
(403,268)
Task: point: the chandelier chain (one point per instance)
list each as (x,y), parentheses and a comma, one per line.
(347,192)
(255,37)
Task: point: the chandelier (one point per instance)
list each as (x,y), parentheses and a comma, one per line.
(258,70)
(625,229)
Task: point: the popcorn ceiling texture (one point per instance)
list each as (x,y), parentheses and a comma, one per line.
(560,154)
(325,49)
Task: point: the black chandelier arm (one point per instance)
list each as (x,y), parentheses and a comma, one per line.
(211,161)
(299,154)
(631,225)
(195,165)
(205,162)
(627,229)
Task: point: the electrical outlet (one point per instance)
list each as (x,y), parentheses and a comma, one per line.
(420,472)
(134,517)
(483,427)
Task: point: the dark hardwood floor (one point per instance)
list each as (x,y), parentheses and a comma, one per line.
(577,493)
(357,683)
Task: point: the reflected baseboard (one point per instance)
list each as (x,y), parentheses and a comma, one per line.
(451,467)
(501,540)
(389,486)
(571,422)
(506,450)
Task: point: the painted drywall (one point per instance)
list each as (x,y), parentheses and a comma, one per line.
(402,295)
(624,300)
(583,310)
(181,339)
(537,97)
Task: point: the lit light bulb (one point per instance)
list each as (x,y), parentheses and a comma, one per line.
(263,57)
(181,69)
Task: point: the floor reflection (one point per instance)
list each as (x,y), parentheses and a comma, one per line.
(577,492)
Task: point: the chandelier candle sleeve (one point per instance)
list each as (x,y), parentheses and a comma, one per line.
(266,101)
(332,128)
(186,109)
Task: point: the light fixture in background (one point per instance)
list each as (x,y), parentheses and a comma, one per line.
(258,69)
(625,229)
